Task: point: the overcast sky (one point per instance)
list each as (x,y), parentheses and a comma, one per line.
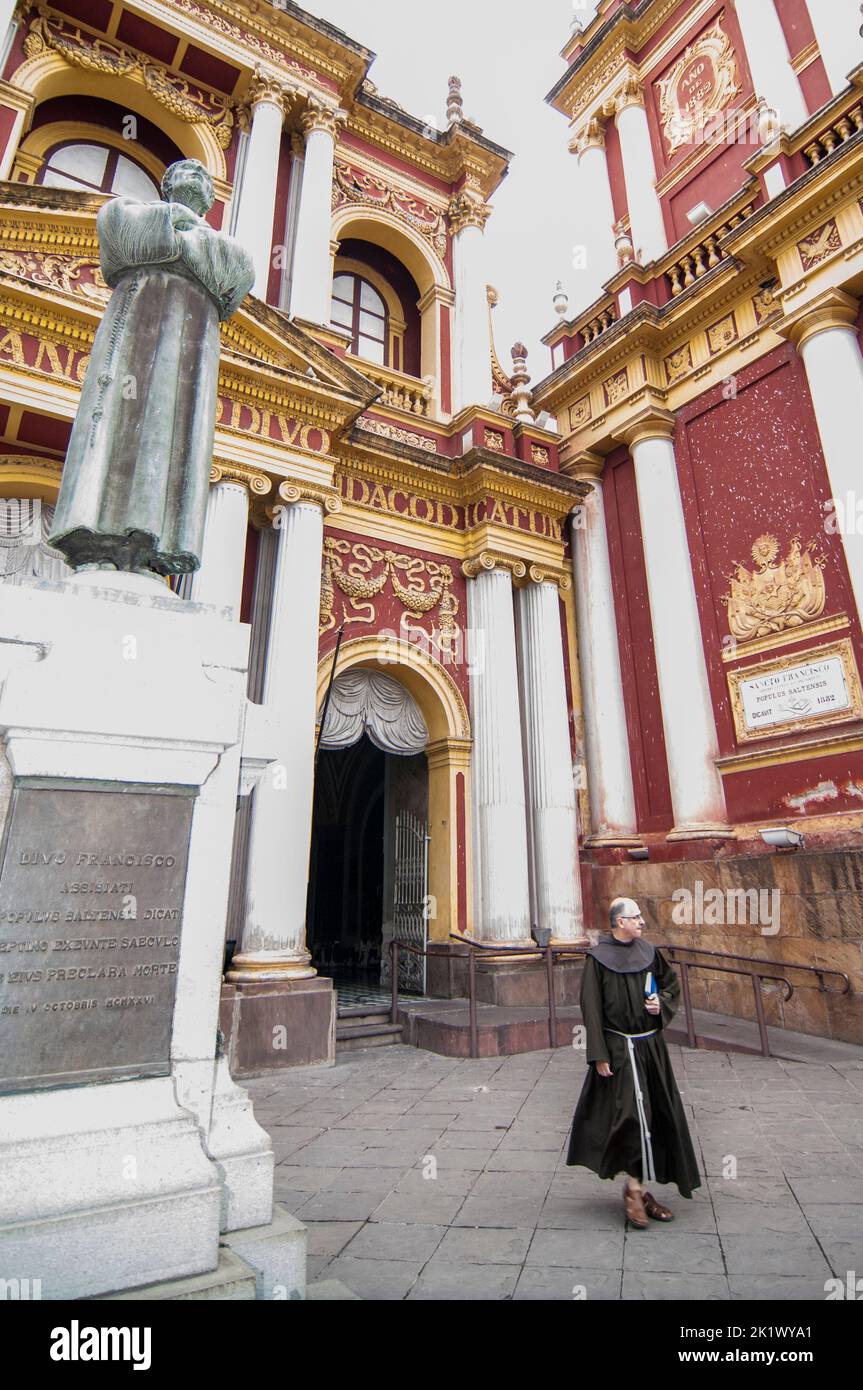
(507,53)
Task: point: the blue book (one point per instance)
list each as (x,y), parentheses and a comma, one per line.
(649,984)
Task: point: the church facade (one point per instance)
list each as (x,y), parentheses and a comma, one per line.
(524,649)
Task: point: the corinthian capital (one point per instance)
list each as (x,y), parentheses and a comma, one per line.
(319,116)
(466,210)
(630,93)
(588,137)
(268,87)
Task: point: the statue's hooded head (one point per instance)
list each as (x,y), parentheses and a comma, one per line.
(188,182)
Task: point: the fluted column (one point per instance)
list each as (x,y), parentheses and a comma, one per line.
(639,171)
(273,941)
(219,581)
(551,790)
(311,284)
(610,791)
(594,227)
(837,29)
(826,338)
(501,896)
(471,349)
(767,51)
(687,709)
(257,205)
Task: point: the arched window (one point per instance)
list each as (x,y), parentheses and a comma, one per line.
(95,168)
(358,309)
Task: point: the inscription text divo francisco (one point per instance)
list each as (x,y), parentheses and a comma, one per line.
(91,901)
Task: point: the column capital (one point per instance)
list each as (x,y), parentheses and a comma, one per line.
(224,470)
(487,560)
(296,491)
(584,465)
(652,422)
(537,575)
(467,210)
(630,93)
(318,115)
(267,88)
(833,309)
(590,136)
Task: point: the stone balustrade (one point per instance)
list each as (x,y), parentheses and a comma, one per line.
(835,135)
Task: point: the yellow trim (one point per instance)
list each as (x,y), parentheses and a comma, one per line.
(784,639)
(36,145)
(788,753)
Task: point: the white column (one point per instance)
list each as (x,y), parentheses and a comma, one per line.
(827,341)
(687,709)
(639,170)
(551,789)
(502,897)
(220,579)
(257,203)
(837,26)
(311,282)
(273,944)
(471,347)
(612,800)
(767,51)
(594,227)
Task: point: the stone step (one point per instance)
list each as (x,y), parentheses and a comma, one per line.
(375,1033)
(365,1013)
(231,1281)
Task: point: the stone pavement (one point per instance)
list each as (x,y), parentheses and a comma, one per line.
(505,1218)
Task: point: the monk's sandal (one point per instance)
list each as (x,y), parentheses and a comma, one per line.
(655,1210)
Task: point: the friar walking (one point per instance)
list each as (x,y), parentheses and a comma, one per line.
(629,1117)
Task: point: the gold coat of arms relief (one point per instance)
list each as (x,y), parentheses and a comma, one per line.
(776,594)
(700,85)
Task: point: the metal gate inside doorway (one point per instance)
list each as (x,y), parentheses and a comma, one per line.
(410,902)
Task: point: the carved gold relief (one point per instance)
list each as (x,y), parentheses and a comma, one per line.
(580,413)
(58,272)
(356,186)
(540,455)
(494,440)
(616,387)
(191,104)
(765,304)
(816,248)
(387,431)
(777,594)
(421,586)
(722,334)
(678,363)
(702,82)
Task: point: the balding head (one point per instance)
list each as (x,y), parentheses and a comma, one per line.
(622,907)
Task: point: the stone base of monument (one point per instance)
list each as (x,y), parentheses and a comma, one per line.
(268,1027)
(126,1149)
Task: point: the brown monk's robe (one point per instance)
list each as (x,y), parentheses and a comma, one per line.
(606,1134)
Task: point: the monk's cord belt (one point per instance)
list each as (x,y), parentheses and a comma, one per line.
(647,1170)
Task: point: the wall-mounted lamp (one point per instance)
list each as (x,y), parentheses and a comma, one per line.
(699,213)
(641,852)
(782,837)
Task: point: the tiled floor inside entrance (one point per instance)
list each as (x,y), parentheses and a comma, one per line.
(427,1177)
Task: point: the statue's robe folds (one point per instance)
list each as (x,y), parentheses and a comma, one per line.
(607,1132)
(138,465)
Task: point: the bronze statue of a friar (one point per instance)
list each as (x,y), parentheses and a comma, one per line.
(134,490)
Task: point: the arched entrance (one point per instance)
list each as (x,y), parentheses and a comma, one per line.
(368,879)
(414,770)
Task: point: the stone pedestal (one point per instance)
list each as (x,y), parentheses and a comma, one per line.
(268,1027)
(125,1146)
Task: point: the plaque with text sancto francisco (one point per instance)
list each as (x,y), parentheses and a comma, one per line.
(92,880)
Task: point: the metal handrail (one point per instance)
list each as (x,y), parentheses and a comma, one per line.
(553,954)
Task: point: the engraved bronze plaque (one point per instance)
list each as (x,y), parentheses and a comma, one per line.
(92,879)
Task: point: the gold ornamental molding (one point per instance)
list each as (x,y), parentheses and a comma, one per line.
(740,650)
(319,115)
(360,188)
(270,88)
(700,85)
(230,471)
(50,33)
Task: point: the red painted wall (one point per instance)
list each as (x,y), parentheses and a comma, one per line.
(635,637)
(280,213)
(749,466)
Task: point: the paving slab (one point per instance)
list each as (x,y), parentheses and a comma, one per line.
(446,1179)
